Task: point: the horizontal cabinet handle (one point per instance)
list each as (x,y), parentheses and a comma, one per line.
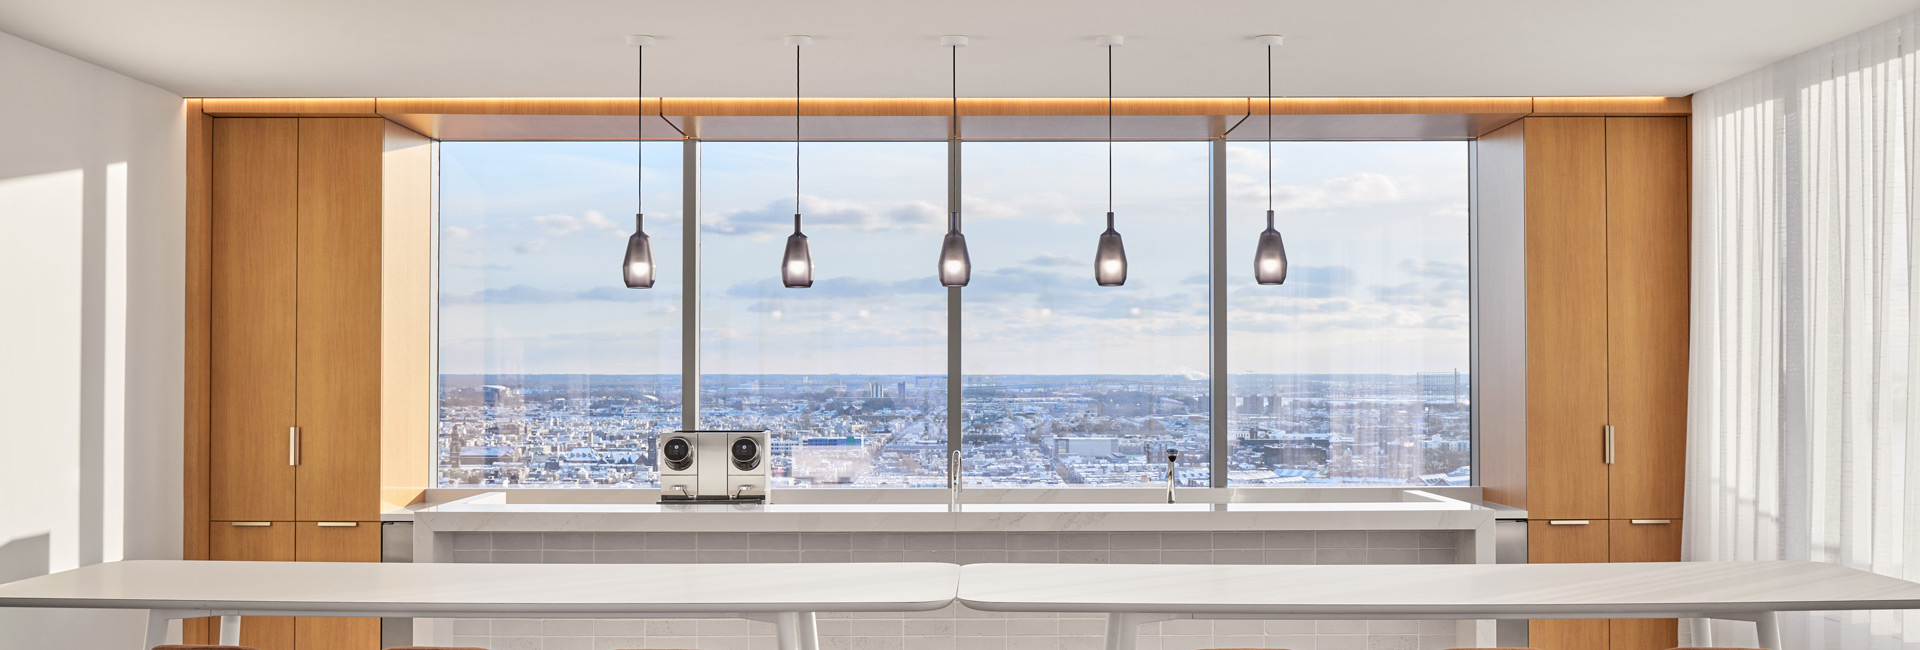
(1566,522)
(251,524)
(338,524)
(1647,522)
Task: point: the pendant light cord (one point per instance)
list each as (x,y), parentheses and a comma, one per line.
(1109,128)
(640,140)
(1269,128)
(796,138)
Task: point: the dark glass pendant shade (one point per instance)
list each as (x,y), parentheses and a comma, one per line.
(955,266)
(796,267)
(1270,256)
(1110,261)
(638,267)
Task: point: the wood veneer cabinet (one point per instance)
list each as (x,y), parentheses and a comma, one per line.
(319,393)
(1584,237)
(296,319)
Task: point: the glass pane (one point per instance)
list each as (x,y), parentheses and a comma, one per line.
(553,373)
(1068,382)
(1354,371)
(848,376)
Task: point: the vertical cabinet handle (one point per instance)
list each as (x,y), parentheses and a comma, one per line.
(1609,451)
(293,445)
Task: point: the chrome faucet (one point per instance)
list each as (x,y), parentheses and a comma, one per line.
(1172,475)
(954,479)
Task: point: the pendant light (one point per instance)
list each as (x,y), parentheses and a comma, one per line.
(638,265)
(796,267)
(1270,255)
(1110,259)
(955,266)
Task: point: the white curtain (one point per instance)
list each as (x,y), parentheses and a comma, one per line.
(1802,399)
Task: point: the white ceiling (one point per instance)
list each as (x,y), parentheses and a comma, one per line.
(889,48)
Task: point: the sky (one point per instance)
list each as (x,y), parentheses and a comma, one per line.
(531,233)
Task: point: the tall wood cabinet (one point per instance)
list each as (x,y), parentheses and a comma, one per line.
(304,289)
(1584,235)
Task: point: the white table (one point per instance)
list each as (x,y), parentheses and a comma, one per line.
(1136,594)
(786,595)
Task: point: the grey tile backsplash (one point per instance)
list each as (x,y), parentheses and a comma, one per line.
(957,628)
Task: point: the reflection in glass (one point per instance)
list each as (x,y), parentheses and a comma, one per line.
(639,263)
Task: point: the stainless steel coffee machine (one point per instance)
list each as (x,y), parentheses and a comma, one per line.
(722,466)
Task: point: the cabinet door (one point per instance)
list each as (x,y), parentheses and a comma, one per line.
(1566,303)
(1651,540)
(243,541)
(335,542)
(251,345)
(339,319)
(1648,235)
(1548,542)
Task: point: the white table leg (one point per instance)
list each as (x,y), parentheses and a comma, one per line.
(229,630)
(1767,625)
(156,628)
(1702,631)
(796,631)
(1123,631)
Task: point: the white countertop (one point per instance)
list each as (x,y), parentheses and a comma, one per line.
(1622,590)
(490,590)
(1418,511)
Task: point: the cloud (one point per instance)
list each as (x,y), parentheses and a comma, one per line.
(455,233)
(776,217)
(521,294)
(838,288)
(561,225)
(558,225)
(1410,293)
(531,247)
(1315,282)
(1053,259)
(1437,269)
(1363,188)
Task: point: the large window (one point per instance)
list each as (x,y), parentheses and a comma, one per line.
(848,376)
(553,374)
(1354,371)
(1068,382)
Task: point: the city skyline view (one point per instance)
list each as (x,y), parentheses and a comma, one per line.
(553,374)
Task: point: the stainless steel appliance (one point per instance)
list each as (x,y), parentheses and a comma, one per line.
(730,466)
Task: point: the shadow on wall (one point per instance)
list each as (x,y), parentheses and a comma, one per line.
(25,557)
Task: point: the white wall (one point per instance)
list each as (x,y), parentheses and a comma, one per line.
(92,259)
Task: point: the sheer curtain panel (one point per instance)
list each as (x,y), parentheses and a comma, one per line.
(1802,395)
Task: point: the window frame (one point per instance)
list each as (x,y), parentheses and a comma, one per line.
(1219,345)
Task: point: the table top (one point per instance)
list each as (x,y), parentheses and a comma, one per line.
(1618,590)
(452,590)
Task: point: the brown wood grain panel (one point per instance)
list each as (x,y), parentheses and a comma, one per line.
(1612,105)
(273,543)
(251,331)
(940,106)
(1644,542)
(199,275)
(1566,257)
(317,543)
(1500,194)
(197,383)
(406,337)
(289,106)
(1648,274)
(1549,543)
(338,350)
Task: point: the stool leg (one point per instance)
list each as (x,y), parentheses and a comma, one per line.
(229,630)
